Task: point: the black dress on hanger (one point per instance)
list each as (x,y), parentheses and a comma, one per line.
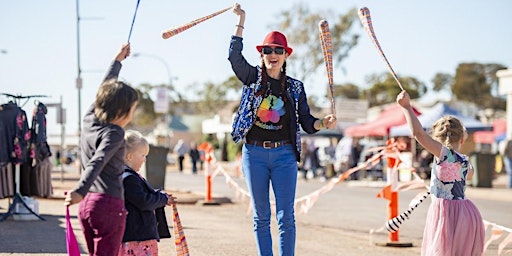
(35,176)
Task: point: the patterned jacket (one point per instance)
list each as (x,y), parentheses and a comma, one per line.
(249,103)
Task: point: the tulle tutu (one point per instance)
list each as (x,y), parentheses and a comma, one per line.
(453,228)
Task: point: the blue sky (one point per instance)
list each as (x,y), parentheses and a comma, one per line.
(420,39)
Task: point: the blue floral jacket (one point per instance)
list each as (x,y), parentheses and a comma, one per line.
(249,103)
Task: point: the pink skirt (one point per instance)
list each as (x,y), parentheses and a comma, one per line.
(139,248)
(453,228)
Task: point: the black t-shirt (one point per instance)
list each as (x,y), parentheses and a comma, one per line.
(273,116)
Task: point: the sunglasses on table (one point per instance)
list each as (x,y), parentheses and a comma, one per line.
(270,50)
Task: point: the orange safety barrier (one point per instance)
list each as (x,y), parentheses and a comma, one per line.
(393,162)
(208,152)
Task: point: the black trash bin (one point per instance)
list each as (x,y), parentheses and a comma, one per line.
(156,163)
(484,165)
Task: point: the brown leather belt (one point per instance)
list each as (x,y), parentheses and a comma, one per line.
(268,144)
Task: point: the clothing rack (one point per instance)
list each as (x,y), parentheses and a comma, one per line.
(18,98)
(17,198)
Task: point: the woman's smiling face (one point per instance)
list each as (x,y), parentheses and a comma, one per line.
(272,59)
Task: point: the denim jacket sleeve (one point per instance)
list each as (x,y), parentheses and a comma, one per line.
(246,73)
(306,120)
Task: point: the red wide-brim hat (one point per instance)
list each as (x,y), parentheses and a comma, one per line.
(275,39)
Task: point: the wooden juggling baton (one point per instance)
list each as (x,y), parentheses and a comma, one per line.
(326,41)
(366,21)
(176,30)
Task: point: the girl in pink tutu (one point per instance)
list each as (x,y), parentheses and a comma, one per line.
(454,225)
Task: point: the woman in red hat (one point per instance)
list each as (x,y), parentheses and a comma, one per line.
(272,109)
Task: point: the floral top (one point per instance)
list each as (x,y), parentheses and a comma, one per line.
(449,174)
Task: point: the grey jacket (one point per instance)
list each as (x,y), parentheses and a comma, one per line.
(102,152)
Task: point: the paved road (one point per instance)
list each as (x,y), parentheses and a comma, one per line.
(338,224)
(351,210)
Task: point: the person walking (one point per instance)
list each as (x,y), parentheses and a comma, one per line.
(507,161)
(272,108)
(100,191)
(454,226)
(141,235)
(180,150)
(194,156)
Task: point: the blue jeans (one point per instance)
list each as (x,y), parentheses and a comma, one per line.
(279,166)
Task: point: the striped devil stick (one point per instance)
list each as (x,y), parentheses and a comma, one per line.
(175,30)
(366,21)
(325,39)
(179,236)
(393,224)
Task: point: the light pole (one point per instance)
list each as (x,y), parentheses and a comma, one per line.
(160,59)
(79,80)
(162,102)
(79,69)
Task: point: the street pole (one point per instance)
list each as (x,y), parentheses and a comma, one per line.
(62,114)
(61,119)
(165,110)
(78,84)
(160,59)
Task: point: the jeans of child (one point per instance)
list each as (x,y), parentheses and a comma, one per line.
(261,167)
(103,220)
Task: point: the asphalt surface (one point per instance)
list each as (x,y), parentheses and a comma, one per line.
(225,228)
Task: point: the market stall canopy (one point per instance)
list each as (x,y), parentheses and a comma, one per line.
(428,118)
(389,117)
(499,127)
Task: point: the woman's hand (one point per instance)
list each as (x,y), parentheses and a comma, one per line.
(329,121)
(237,9)
(239,27)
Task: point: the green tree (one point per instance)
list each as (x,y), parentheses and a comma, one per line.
(213,97)
(474,82)
(300,25)
(442,81)
(144,115)
(347,90)
(385,88)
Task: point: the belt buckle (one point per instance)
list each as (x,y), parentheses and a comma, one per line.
(267,144)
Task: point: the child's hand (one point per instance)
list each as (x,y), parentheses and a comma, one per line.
(72,197)
(123,53)
(403,99)
(171,199)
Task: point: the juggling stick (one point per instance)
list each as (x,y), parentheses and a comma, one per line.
(133,20)
(366,21)
(393,224)
(175,30)
(325,39)
(179,236)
